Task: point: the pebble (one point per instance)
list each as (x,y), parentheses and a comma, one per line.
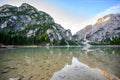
(40,65)
(62,76)
(30,77)
(14,79)
(5,70)
(42,78)
(13,67)
(47,69)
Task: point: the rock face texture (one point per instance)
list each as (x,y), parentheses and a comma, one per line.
(105,29)
(27,21)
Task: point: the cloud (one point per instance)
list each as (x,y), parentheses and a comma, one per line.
(92,21)
(112,10)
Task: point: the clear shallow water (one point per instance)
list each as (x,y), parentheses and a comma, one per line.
(43,63)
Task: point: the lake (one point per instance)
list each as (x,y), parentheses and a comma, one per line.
(60,63)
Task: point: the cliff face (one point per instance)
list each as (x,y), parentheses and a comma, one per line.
(28,22)
(105,29)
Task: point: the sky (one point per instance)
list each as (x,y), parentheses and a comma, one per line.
(72,14)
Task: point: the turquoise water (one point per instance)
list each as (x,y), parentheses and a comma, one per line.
(40,63)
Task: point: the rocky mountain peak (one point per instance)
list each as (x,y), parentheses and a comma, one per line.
(106,29)
(35,27)
(100,20)
(27,7)
(6,6)
(105,18)
(7,10)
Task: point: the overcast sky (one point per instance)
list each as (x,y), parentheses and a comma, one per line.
(72,14)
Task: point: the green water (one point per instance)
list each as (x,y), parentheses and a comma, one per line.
(40,63)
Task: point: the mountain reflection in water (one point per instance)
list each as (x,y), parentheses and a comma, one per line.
(80,71)
(40,63)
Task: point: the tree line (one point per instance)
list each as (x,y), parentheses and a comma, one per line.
(7,38)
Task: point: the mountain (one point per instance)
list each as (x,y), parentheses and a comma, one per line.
(106,30)
(25,25)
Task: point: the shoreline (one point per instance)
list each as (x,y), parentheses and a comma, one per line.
(35,46)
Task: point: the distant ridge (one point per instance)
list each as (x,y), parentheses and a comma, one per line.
(106,30)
